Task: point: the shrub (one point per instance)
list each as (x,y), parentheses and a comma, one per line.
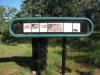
(8,39)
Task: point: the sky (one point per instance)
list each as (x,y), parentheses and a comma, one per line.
(12,3)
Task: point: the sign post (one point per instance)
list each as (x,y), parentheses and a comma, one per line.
(40,28)
(39,55)
(63,55)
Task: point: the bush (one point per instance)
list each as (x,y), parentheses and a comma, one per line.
(8,39)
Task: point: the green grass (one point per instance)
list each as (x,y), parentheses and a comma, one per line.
(19,50)
(0,38)
(14,66)
(10,52)
(54,60)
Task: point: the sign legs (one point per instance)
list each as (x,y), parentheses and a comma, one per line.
(39,54)
(63,55)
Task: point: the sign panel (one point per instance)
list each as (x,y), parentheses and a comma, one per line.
(55,27)
(51,27)
(34,27)
(43,27)
(27,27)
(68,27)
(76,27)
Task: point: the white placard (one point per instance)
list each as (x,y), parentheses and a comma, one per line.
(76,27)
(51,27)
(43,27)
(27,27)
(35,27)
(67,27)
(55,27)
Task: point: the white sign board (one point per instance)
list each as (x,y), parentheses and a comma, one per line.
(35,27)
(43,27)
(68,27)
(27,27)
(76,27)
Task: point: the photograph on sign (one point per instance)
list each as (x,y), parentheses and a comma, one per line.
(55,27)
(35,27)
(43,27)
(67,27)
(76,27)
(27,27)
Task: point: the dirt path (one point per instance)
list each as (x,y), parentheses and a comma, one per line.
(97,71)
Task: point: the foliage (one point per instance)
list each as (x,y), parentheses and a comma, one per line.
(10,13)
(76,8)
(8,39)
(6,14)
(2,20)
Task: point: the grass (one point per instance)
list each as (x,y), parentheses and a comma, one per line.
(12,54)
(12,60)
(20,50)
(54,59)
(0,38)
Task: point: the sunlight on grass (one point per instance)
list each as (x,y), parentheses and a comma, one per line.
(20,50)
(54,61)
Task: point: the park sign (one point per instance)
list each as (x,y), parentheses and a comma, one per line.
(51,27)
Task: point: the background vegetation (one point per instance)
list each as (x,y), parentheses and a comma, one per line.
(83,56)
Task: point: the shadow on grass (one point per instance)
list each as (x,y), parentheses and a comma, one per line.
(55,42)
(85,73)
(67,69)
(21,61)
(82,59)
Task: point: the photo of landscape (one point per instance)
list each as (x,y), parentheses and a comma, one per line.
(55,27)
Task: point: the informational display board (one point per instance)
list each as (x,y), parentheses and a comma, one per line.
(51,27)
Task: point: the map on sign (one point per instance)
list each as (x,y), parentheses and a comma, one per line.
(51,27)
(55,27)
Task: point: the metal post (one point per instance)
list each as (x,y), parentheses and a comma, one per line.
(63,55)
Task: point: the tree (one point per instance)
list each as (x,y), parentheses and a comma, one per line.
(78,8)
(31,8)
(6,14)
(10,13)
(2,19)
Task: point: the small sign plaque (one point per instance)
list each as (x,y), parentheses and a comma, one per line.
(27,27)
(43,27)
(34,27)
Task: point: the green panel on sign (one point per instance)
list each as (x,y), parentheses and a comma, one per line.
(51,27)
